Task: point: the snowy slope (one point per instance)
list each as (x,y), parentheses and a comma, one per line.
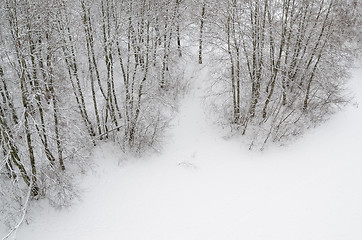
(203,187)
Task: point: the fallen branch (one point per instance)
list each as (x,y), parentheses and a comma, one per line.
(12,233)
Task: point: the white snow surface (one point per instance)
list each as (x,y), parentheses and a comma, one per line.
(203,187)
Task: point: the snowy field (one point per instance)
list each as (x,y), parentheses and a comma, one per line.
(202,187)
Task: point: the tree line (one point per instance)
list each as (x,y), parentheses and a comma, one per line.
(75,73)
(286,63)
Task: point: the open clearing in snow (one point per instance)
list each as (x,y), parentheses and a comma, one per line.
(203,187)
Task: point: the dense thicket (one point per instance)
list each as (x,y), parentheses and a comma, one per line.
(286,62)
(73,73)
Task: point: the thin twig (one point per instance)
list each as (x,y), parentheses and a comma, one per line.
(13,231)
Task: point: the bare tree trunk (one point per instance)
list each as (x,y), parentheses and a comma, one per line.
(35,189)
(12,148)
(232,66)
(72,66)
(54,99)
(165,52)
(202,21)
(7,96)
(178,37)
(38,92)
(276,67)
(324,32)
(92,64)
(13,21)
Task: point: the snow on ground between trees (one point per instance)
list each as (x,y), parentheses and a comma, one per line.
(202,186)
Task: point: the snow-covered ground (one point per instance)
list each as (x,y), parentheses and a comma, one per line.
(203,187)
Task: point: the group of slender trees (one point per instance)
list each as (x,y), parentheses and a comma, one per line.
(286,62)
(76,72)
